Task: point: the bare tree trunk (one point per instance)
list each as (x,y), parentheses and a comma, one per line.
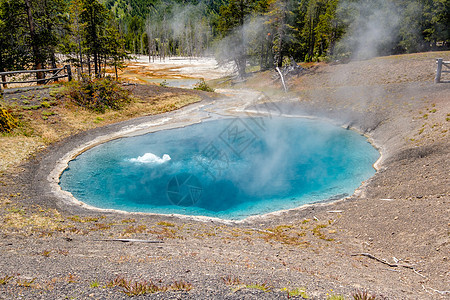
(89,64)
(105,64)
(149,49)
(96,65)
(281,32)
(53,61)
(241,63)
(34,45)
(261,58)
(80,52)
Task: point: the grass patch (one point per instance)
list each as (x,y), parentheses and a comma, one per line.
(262,287)
(33,107)
(45,104)
(335,297)
(238,284)
(48,113)
(100,226)
(25,283)
(71,278)
(16,210)
(231,280)
(164,232)
(285,234)
(128,221)
(5,279)
(296,292)
(162,223)
(135,229)
(98,120)
(44,222)
(94,284)
(76,218)
(142,287)
(364,295)
(317,232)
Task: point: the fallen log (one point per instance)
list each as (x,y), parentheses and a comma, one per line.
(131,241)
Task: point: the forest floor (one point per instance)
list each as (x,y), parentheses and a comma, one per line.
(391,238)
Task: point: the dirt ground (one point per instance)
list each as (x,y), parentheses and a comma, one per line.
(391,238)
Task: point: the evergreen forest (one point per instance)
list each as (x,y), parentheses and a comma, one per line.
(93,35)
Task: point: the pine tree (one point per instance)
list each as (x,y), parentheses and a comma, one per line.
(231,22)
(93,16)
(14,54)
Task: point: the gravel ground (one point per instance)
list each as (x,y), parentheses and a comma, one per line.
(391,238)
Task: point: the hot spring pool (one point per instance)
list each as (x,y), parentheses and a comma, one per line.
(228,168)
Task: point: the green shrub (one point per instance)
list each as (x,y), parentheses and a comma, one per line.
(7,121)
(202,86)
(97,94)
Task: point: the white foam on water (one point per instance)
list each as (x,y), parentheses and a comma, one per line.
(150,158)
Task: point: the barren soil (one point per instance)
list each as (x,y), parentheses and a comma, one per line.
(391,238)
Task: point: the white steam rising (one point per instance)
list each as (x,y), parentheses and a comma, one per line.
(150,158)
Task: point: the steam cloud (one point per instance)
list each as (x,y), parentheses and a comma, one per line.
(372,30)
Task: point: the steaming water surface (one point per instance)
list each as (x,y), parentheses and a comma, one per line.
(229,168)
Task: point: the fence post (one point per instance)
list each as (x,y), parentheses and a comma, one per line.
(439,62)
(5,85)
(69,72)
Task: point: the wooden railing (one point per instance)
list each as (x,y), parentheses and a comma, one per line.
(55,75)
(439,70)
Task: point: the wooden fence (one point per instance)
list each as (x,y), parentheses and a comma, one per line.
(55,75)
(440,64)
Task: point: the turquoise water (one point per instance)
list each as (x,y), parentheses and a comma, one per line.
(228,168)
